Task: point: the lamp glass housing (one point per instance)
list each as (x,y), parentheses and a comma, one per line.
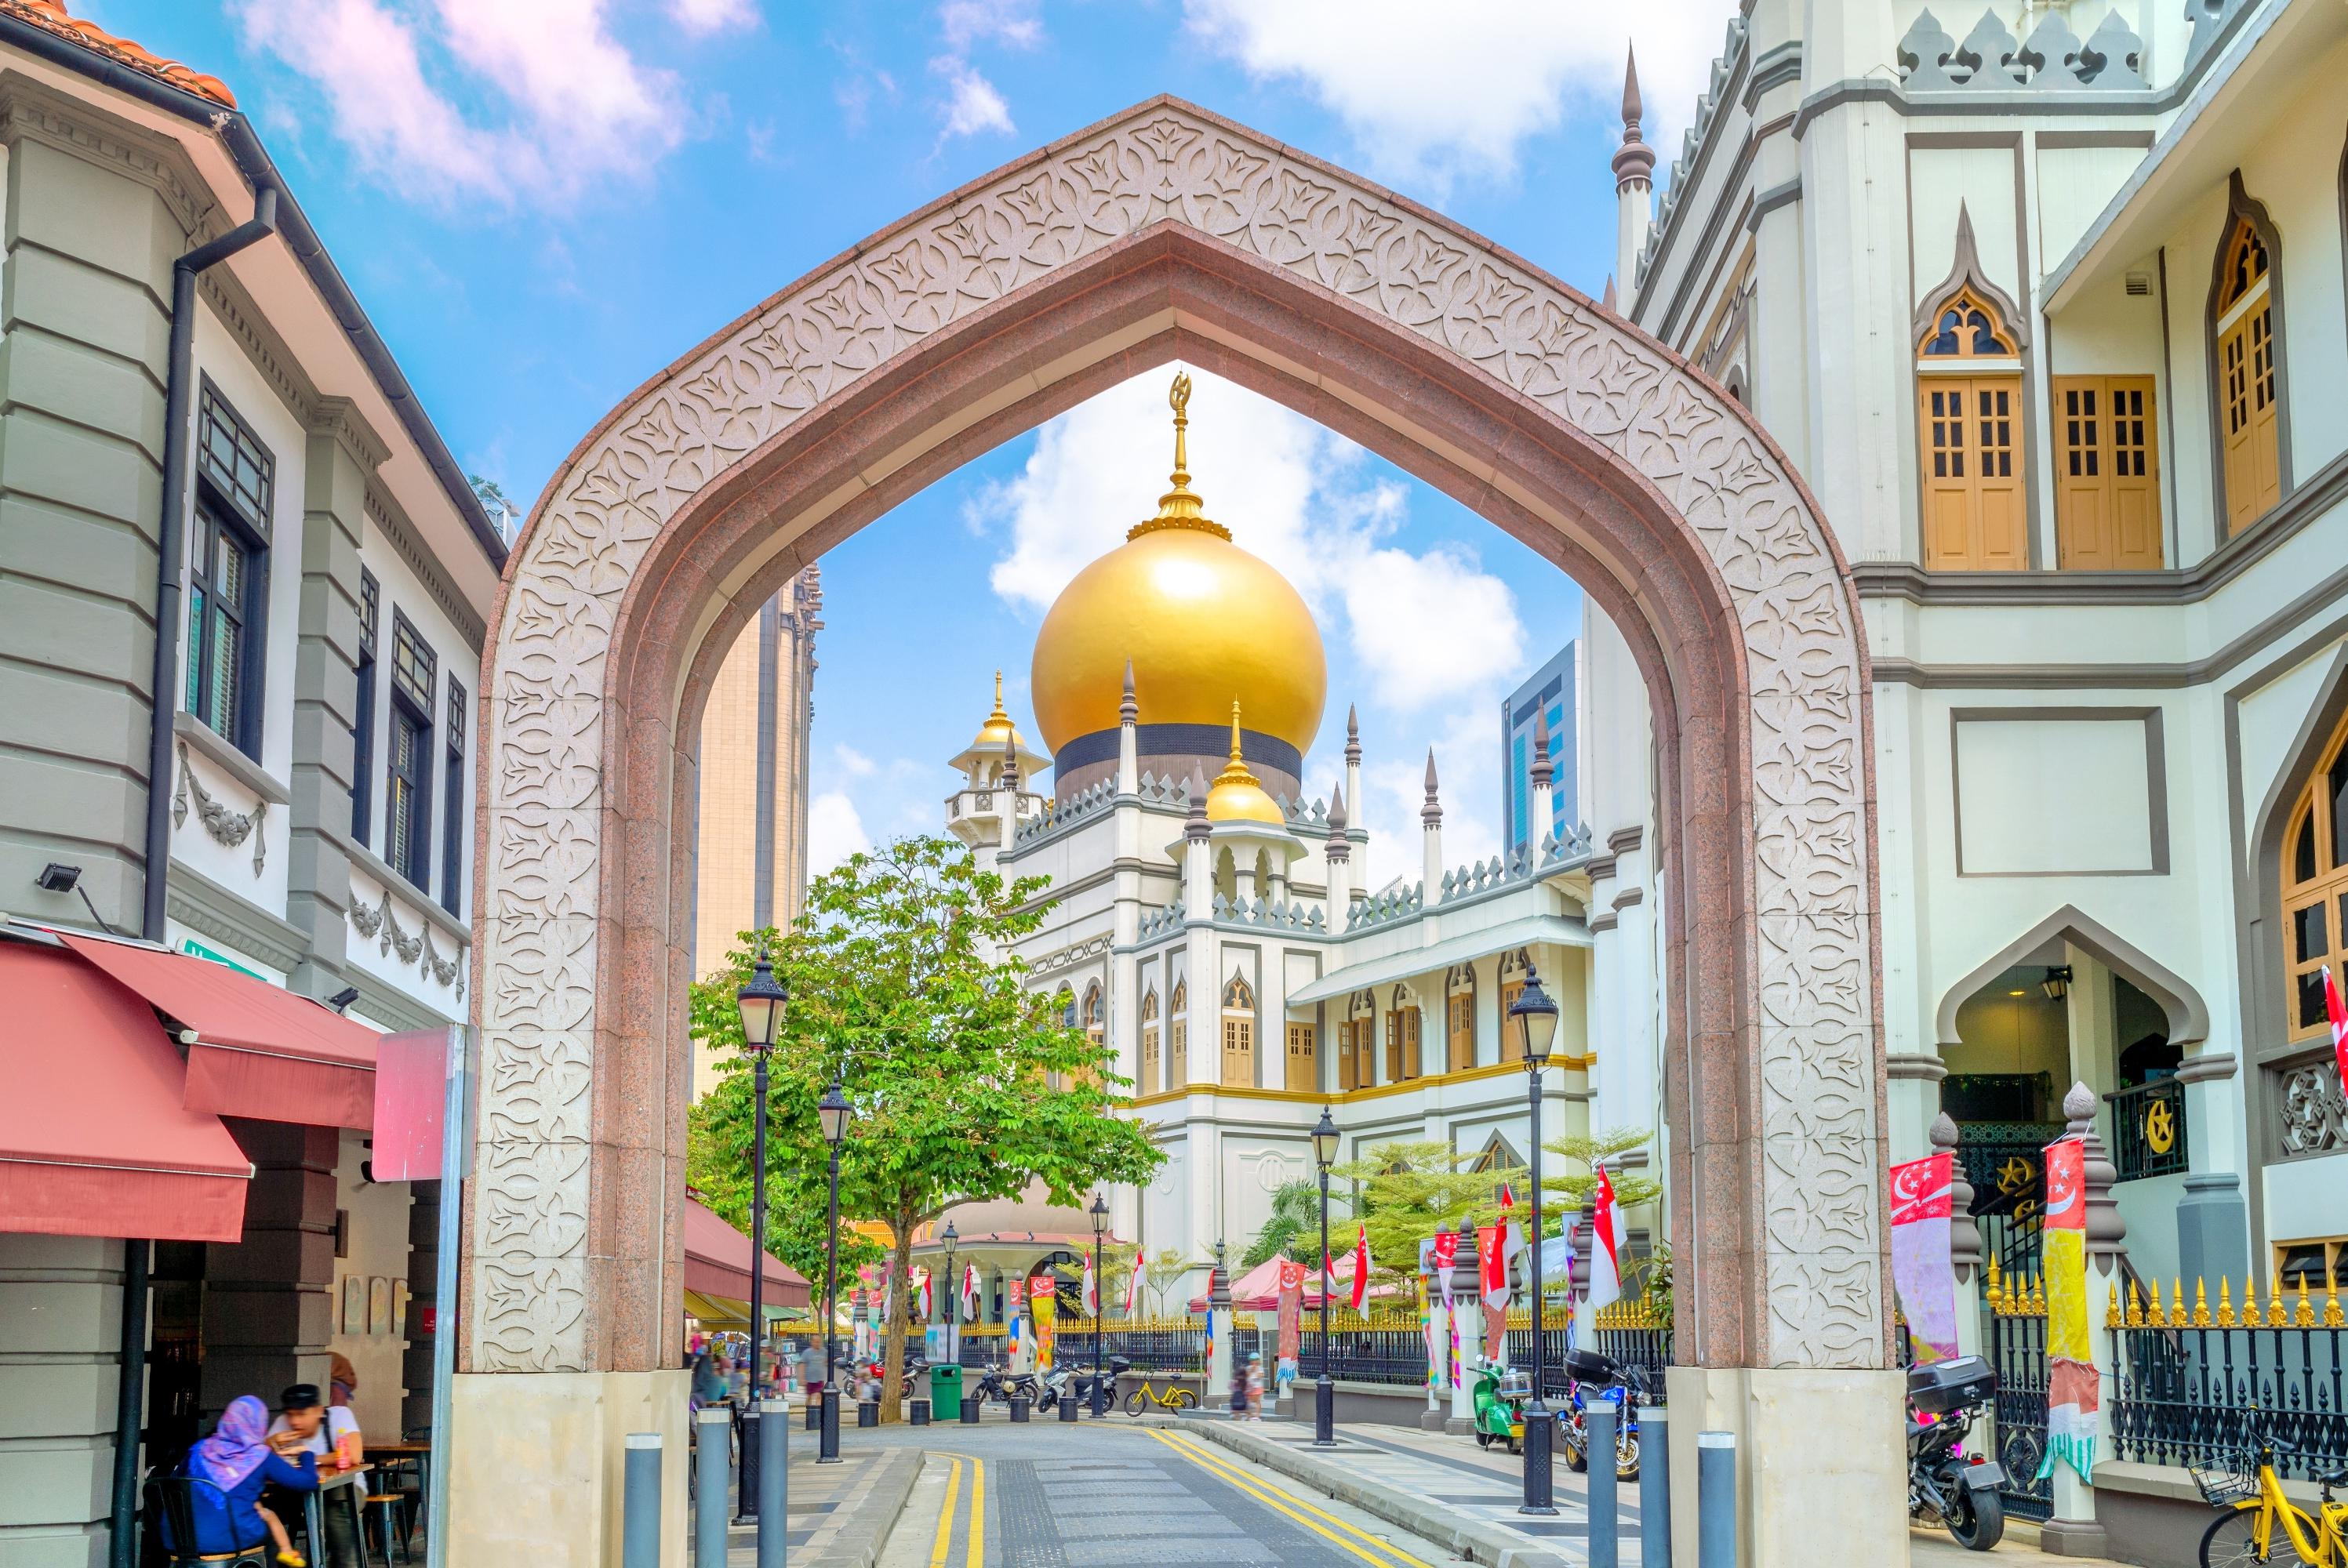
(1534,1017)
(1324,1141)
(762,1000)
(832,1110)
(1099,1212)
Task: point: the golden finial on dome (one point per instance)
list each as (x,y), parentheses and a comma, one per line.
(998,729)
(1236,795)
(1178,508)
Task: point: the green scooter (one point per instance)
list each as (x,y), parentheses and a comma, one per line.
(1500,1394)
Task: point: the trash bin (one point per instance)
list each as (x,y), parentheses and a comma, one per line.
(945,1386)
(868,1412)
(1069,1403)
(1019,1407)
(971,1404)
(917,1412)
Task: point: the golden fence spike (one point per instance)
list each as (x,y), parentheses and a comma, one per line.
(2177,1317)
(2225,1303)
(2200,1302)
(2114,1318)
(1991,1289)
(2278,1315)
(2303,1316)
(2038,1295)
(2332,1316)
(2153,1318)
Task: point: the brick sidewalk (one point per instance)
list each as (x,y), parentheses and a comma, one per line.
(841,1514)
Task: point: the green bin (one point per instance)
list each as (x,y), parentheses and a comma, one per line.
(945,1388)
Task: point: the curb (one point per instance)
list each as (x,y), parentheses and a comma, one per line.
(1487,1543)
(876,1509)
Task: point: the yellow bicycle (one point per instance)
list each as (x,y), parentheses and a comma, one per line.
(2260,1526)
(1175,1398)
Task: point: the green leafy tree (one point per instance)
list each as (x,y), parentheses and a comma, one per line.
(1160,1274)
(1572,1188)
(1409,1190)
(964,1085)
(1293,1229)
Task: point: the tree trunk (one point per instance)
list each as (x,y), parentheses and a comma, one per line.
(900,1296)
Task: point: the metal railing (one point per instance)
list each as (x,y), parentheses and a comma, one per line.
(2193,1381)
(2148,1130)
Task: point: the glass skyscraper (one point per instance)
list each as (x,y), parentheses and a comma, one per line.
(1551,687)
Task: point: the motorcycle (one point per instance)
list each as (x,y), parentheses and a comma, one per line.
(995,1383)
(1500,1394)
(1619,1385)
(1065,1377)
(1945,1485)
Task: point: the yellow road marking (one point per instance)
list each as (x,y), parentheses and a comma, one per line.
(977,1513)
(944,1543)
(1288,1504)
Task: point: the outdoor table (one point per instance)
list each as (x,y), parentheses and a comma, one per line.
(419,1454)
(313,1509)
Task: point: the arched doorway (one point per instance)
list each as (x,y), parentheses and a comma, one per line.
(1164,232)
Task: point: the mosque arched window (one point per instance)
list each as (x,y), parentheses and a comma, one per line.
(1358,1042)
(1512,986)
(1402,1037)
(1969,425)
(1178,1036)
(2314,884)
(1239,1034)
(1151,1083)
(1459,1018)
(2246,359)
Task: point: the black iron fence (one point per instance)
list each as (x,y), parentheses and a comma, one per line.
(2148,1129)
(2194,1382)
(2017,1330)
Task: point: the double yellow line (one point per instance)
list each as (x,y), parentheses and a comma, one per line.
(941,1546)
(1368,1547)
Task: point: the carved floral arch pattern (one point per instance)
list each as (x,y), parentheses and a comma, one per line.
(1680,517)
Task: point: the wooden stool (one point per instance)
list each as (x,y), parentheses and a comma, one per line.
(383,1508)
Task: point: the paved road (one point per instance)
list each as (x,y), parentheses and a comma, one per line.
(1047,1496)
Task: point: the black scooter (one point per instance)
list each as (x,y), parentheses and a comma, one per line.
(1944,1485)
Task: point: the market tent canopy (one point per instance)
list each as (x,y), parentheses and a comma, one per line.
(718,1264)
(94,1137)
(1258,1290)
(253,1050)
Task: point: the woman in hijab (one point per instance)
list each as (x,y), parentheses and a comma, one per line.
(235,1462)
(343,1380)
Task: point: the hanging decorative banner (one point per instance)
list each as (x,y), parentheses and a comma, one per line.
(1045,1302)
(2074,1394)
(1445,1252)
(1018,1288)
(1428,1323)
(1292,1309)
(970,1291)
(1921,1272)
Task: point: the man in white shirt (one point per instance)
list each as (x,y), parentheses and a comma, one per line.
(308,1424)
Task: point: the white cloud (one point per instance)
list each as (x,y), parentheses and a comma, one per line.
(700,17)
(1014,22)
(1428,102)
(853,763)
(1427,628)
(835,831)
(559,119)
(972,104)
(1393,787)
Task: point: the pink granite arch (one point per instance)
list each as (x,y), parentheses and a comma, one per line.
(1168,232)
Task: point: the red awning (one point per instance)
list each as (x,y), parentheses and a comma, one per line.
(717,1262)
(257,1051)
(93,1138)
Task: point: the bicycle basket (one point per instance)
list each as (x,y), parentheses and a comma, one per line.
(2224,1488)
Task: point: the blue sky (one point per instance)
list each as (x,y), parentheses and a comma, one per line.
(541,202)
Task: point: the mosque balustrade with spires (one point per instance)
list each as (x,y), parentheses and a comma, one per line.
(1054,817)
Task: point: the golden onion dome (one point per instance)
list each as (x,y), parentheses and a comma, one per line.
(1235,796)
(998,727)
(1203,621)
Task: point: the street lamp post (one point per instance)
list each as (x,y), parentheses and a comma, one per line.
(953,1288)
(1325,1392)
(832,1110)
(1534,1018)
(761,1001)
(1100,1211)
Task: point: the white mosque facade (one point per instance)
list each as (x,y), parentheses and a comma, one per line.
(1211,920)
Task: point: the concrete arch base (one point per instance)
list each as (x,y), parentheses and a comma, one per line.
(1806,1497)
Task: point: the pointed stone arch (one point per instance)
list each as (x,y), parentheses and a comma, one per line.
(2187,1014)
(1165,233)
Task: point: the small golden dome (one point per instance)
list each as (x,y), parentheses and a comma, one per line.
(998,727)
(1202,620)
(1235,796)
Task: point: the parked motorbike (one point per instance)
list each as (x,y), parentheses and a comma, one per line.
(1619,1383)
(995,1383)
(1500,1393)
(1945,1485)
(1064,1378)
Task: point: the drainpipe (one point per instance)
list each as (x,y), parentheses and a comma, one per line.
(178,477)
(129,1400)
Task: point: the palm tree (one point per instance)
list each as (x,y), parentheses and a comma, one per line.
(1293,1229)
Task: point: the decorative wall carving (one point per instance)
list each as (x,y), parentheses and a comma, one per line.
(2053,60)
(227,828)
(380,922)
(1819,1170)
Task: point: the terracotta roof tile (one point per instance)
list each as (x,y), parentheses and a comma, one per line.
(53,17)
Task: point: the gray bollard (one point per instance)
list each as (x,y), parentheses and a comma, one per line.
(774,1483)
(1654,1485)
(712,1474)
(1605,1543)
(1716,1500)
(639,1507)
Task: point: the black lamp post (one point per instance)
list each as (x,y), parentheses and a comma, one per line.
(1100,1211)
(762,1001)
(954,1288)
(1534,1018)
(832,1111)
(1325,1392)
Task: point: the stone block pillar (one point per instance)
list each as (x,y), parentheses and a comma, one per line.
(269,1307)
(60,1359)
